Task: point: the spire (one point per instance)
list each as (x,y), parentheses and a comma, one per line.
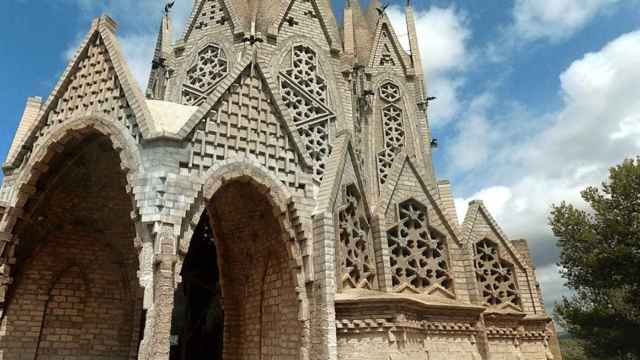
(158,77)
(373,14)
(357,34)
(416,59)
(349,34)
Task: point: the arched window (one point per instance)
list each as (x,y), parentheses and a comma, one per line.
(495,276)
(418,253)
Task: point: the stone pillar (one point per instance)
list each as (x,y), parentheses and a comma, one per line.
(157,344)
(323,332)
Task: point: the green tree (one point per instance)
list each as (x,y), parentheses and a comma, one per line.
(600,258)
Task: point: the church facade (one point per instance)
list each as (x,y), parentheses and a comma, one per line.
(270,195)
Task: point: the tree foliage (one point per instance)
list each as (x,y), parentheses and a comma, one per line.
(600,258)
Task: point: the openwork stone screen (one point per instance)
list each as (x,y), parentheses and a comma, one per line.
(418,253)
(304,92)
(392,128)
(357,266)
(495,276)
(210,67)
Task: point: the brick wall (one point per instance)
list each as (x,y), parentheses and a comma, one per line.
(71,301)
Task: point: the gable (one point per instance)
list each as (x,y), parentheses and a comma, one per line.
(245,122)
(481,225)
(210,16)
(342,170)
(96,82)
(303,17)
(406,181)
(342,195)
(387,52)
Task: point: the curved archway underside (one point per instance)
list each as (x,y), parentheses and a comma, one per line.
(258,285)
(75,290)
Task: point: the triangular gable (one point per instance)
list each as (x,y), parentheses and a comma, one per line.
(405,171)
(249,63)
(342,195)
(241,118)
(342,165)
(386,49)
(213,16)
(479,224)
(304,17)
(96,81)
(409,194)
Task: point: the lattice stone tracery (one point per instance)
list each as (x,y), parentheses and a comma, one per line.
(211,66)
(357,266)
(304,92)
(418,253)
(392,128)
(495,276)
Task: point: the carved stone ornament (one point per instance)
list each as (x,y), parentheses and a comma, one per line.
(418,253)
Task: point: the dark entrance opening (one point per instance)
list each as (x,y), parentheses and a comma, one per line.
(197,326)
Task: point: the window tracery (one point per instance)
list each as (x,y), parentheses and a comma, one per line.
(418,253)
(304,93)
(392,128)
(357,266)
(211,66)
(495,276)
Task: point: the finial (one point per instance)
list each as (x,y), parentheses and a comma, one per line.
(381,10)
(168,7)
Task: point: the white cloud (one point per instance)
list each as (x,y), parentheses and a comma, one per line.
(597,127)
(138,50)
(553,285)
(444,35)
(555,19)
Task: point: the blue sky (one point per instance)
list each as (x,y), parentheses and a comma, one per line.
(536,98)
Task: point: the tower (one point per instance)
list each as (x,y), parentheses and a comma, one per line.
(270,195)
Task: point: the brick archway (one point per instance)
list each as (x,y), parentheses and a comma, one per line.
(75,291)
(259,261)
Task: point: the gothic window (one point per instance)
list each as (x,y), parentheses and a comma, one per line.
(418,253)
(392,129)
(304,93)
(210,67)
(357,266)
(495,276)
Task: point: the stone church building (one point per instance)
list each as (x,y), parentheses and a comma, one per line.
(270,195)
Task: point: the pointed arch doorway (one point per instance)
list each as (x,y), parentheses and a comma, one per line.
(76,293)
(238,286)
